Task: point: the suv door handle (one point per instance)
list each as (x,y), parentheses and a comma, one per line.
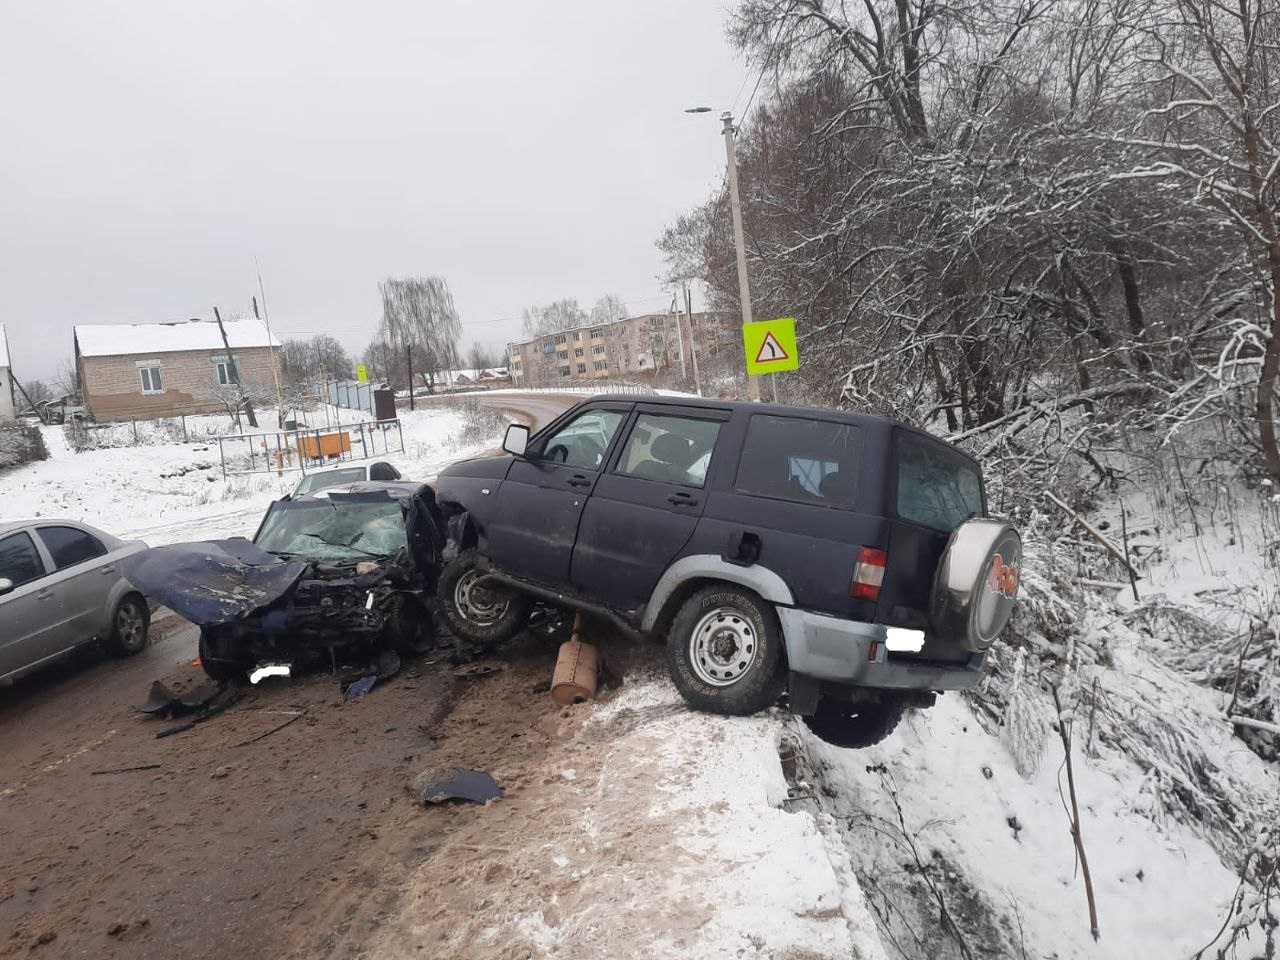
(683,499)
(578,480)
(109,568)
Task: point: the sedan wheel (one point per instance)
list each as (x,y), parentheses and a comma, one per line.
(129,627)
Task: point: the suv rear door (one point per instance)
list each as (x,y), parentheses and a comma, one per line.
(933,489)
(801,499)
(645,508)
(536,518)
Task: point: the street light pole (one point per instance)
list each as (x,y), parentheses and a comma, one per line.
(744,290)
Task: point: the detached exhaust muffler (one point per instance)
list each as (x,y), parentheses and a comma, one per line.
(577,669)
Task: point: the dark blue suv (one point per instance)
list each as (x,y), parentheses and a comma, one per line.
(841,558)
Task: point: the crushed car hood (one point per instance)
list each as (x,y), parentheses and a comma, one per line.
(214,581)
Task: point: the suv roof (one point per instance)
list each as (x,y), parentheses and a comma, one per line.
(857,418)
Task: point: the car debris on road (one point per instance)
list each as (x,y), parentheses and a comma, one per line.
(455,783)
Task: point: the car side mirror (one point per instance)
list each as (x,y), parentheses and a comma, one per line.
(517,439)
(6,585)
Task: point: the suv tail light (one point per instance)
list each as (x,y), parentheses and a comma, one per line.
(868,575)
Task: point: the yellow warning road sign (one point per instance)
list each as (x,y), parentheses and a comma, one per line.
(362,373)
(771,345)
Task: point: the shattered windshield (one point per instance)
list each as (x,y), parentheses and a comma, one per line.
(341,527)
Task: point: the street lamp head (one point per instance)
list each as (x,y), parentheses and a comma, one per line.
(698,110)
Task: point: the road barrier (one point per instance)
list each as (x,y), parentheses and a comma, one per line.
(309,449)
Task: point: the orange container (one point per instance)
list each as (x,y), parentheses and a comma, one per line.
(324,445)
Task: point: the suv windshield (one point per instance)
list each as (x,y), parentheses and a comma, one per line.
(329,478)
(936,488)
(341,527)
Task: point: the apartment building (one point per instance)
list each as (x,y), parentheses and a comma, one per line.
(635,348)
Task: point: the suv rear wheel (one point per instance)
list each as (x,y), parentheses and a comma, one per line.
(855,725)
(724,651)
(476,611)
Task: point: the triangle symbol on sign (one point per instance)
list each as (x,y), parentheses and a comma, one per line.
(770,349)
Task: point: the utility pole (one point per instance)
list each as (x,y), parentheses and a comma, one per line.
(693,341)
(408,353)
(271,350)
(744,290)
(233,370)
(675,309)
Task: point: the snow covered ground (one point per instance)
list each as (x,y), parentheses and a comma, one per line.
(168,492)
(703,836)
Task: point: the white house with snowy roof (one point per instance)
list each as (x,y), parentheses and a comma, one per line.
(145,371)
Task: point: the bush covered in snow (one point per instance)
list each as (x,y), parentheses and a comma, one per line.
(20,443)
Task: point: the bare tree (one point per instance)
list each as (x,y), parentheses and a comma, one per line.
(315,358)
(237,398)
(560,315)
(608,309)
(1216,124)
(419,317)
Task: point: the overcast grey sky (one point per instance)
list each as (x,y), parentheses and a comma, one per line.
(526,150)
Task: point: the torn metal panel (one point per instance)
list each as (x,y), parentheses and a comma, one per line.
(212,582)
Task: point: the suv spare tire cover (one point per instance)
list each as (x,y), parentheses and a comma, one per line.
(977,583)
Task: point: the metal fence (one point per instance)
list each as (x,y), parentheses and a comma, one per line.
(352,394)
(311,449)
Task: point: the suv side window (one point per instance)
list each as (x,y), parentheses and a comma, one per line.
(935,489)
(19,559)
(69,546)
(583,441)
(808,461)
(669,449)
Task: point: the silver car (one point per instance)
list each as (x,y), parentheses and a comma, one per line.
(61,586)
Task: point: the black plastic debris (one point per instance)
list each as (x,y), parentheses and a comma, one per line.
(454,783)
(159,701)
(163,702)
(360,687)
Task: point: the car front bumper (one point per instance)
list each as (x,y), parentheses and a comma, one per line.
(829,648)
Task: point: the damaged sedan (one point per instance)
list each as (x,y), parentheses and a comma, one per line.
(338,573)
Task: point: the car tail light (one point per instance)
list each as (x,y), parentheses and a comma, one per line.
(868,575)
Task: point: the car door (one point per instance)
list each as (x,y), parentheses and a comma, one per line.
(541,500)
(645,508)
(27,610)
(82,575)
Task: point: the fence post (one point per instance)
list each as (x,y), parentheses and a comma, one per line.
(183,417)
(135,429)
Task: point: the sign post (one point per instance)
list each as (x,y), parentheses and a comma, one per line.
(770,346)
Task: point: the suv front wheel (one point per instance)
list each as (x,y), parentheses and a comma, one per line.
(724,650)
(475,610)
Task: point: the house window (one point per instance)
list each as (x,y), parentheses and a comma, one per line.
(564,371)
(560,338)
(151,382)
(577,335)
(582,368)
(601,365)
(225,372)
(598,348)
(597,334)
(577,351)
(515,365)
(562,354)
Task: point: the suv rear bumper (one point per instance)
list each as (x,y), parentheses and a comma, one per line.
(829,648)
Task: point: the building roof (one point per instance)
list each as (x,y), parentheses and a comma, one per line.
(129,339)
(4,348)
